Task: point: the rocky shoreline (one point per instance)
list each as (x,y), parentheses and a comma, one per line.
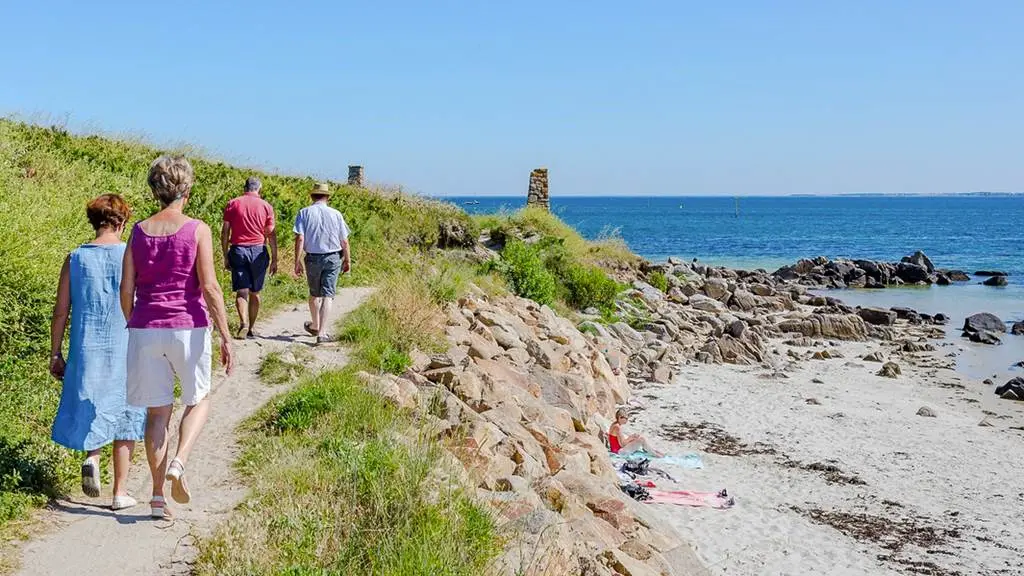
(913,270)
(520,394)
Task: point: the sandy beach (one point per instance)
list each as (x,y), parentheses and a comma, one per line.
(908,494)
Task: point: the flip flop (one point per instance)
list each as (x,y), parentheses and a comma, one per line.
(158,508)
(179,488)
(308,325)
(91,477)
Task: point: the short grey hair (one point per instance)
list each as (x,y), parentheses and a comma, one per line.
(170,178)
(253,184)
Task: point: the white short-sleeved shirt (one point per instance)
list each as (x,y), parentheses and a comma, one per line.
(323,228)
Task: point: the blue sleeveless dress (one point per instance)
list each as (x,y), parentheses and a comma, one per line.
(93,409)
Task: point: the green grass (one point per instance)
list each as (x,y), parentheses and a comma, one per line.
(46,177)
(342,482)
(608,250)
(339,488)
(278,368)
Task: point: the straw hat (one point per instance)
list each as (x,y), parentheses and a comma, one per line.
(321,188)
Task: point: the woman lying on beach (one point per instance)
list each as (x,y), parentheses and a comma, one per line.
(93,410)
(630,443)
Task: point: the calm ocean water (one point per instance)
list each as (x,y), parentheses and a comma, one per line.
(966,232)
(963,232)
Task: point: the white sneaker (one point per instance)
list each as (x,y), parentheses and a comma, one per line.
(91,477)
(123,502)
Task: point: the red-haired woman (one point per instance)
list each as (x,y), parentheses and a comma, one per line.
(93,409)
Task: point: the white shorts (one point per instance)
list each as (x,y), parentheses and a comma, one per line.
(157,355)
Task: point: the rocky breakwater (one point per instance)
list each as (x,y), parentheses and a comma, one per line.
(517,399)
(914,270)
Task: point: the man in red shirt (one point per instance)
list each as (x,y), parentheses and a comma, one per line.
(248,228)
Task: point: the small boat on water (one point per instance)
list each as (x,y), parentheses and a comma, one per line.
(471,202)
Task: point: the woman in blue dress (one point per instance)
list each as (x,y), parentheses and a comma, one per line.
(93,410)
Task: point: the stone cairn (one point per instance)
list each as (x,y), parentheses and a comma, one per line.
(538,193)
(355,176)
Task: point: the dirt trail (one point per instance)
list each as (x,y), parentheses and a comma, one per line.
(88,538)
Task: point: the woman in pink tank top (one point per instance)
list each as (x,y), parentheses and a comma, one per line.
(169,292)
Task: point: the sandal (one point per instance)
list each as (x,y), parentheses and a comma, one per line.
(158,508)
(91,477)
(308,325)
(176,476)
(240,335)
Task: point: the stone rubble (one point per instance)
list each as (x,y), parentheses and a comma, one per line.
(519,396)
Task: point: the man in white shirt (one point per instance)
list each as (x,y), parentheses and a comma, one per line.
(321,233)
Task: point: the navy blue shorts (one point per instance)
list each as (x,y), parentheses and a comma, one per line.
(248,267)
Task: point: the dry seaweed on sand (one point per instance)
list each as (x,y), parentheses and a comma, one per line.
(830,472)
(714,439)
(890,533)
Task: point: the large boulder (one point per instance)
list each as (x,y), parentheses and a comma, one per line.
(984,321)
(996,281)
(1012,390)
(717,288)
(989,273)
(1018,328)
(743,300)
(984,337)
(912,273)
(648,292)
(839,326)
(878,316)
(956,275)
(707,304)
(908,314)
(920,259)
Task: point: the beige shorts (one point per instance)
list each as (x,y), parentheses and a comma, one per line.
(157,355)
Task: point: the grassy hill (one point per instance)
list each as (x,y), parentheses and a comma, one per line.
(46,177)
(361,483)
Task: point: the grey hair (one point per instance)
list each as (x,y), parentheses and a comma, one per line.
(170,178)
(253,184)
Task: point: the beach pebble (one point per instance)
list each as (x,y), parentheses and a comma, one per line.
(817,381)
(874,357)
(813,401)
(926,412)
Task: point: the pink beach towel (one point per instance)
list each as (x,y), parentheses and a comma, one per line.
(687,498)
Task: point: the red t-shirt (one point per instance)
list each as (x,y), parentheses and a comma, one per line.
(250,218)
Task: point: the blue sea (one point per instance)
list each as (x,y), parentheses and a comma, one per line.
(964,232)
(960,232)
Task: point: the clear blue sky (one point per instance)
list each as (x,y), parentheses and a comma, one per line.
(755,97)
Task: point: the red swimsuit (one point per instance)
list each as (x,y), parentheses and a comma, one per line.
(613,442)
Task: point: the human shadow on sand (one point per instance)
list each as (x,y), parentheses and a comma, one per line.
(87,509)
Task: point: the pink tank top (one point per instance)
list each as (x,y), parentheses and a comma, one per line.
(167,291)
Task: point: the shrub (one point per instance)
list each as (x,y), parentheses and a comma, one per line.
(658,280)
(522,267)
(589,286)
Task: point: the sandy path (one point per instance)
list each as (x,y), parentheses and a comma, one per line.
(945,473)
(88,538)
